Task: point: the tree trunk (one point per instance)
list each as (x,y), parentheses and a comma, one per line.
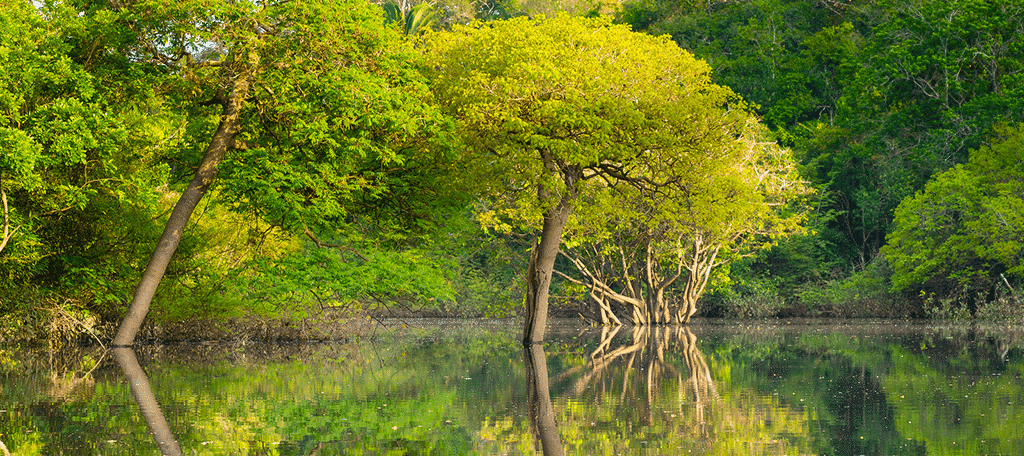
(694,289)
(541,268)
(690,296)
(702,261)
(222,141)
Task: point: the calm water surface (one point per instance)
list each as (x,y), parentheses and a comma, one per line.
(451,387)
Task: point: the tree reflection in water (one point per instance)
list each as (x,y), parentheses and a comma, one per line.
(644,373)
(147,401)
(542,414)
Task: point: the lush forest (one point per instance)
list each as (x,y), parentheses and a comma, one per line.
(642,162)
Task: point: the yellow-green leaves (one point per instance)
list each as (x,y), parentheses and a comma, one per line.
(630,107)
(626,127)
(586,91)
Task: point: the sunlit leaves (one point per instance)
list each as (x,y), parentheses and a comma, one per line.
(630,123)
(307,282)
(584,90)
(77,163)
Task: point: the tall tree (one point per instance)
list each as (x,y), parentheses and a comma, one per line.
(553,106)
(310,109)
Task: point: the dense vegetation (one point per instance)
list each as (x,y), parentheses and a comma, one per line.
(356,180)
(876,98)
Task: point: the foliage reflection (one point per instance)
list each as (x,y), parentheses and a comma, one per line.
(474,389)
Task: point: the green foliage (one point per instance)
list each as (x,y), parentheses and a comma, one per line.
(964,232)
(487,277)
(861,294)
(564,86)
(417,19)
(917,105)
(311,280)
(79,167)
(873,97)
(217,245)
(104,112)
(783,56)
(320,142)
(753,298)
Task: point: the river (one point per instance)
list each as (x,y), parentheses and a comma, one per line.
(457,387)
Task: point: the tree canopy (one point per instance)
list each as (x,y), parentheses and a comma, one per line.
(559,109)
(964,232)
(320,107)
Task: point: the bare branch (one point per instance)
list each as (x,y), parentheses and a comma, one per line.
(569,278)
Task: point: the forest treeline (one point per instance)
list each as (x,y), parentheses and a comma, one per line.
(903,114)
(762,158)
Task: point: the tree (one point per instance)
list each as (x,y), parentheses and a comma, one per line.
(310,109)
(873,97)
(715,205)
(963,233)
(933,78)
(552,107)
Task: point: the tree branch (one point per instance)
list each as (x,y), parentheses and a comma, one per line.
(566,277)
(340,248)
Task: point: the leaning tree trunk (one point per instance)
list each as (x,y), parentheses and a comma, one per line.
(222,141)
(541,269)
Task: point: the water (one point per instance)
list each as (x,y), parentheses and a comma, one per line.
(451,387)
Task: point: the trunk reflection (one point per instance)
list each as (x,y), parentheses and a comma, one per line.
(147,402)
(542,414)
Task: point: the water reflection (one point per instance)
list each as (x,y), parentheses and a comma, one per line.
(660,387)
(890,388)
(542,415)
(638,370)
(642,365)
(148,405)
